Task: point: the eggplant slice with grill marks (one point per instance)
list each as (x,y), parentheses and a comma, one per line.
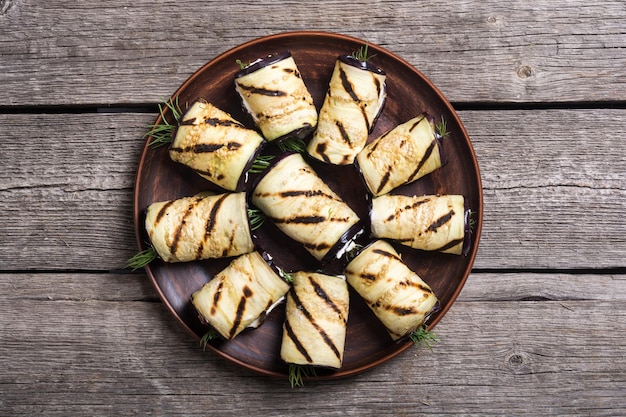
(353,102)
(314,330)
(204,226)
(303,206)
(430,223)
(274,94)
(216,146)
(400,299)
(402,155)
(239,296)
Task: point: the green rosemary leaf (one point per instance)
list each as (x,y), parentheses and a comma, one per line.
(141,259)
(442,128)
(354,251)
(161,133)
(292,144)
(211,334)
(424,337)
(297,373)
(362,54)
(241,64)
(256,218)
(471,214)
(260,164)
(285,275)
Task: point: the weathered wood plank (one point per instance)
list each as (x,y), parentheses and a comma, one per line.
(104,353)
(551,183)
(62,52)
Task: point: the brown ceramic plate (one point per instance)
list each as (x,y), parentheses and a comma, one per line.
(409,94)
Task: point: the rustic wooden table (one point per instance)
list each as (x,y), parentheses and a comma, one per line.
(540,326)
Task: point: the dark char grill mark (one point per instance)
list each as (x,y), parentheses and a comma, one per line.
(208,147)
(322,294)
(179,229)
(306,193)
(384,180)
(450,244)
(375,145)
(427,154)
(321,150)
(211,221)
(301,220)
(216,297)
(241,308)
(417,122)
(297,342)
(162,212)
(369,277)
(399,211)
(343,132)
(384,253)
(319,246)
(347,85)
(402,311)
(440,221)
(262,91)
(213,121)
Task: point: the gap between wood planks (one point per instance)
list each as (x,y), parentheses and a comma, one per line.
(459,106)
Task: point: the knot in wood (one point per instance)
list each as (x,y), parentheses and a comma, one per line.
(524,71)
(516,360)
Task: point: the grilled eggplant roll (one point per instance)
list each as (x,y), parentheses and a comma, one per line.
(215,145)
(407,152)
(431,223)
(240,295)
(200,227)
(354,99)
(298,201)
(399,298)
(274,94)
(314,331)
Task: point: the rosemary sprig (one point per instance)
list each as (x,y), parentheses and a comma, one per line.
(442,128)
(161,133)
(292,144)
(241,64)
(424,337)
(471,219)
(297,373)
(256,218)
(284,275)
(362,54)
(141,259)
(260,164)
(354,251)
(211,334)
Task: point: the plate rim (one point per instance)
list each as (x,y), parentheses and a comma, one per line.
(334,36)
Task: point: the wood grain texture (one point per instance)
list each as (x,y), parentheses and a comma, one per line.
(68,53)
(539,326)
(552,180)
(98,344)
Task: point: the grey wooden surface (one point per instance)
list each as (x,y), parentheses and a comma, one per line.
(540,326)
